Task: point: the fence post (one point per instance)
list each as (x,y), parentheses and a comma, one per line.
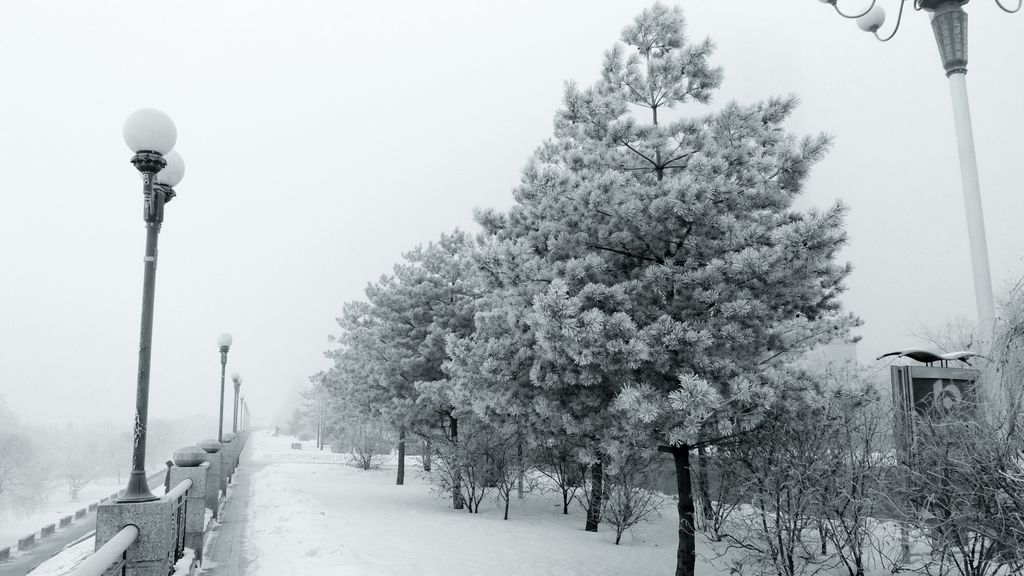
(230,443)
(150,554)
(214,478)
(190,463)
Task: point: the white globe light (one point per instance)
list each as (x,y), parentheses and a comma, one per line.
(171,174)
(236,376)
(873,20)
(224,340)
(150,130)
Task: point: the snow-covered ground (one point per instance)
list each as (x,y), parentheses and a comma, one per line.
(58,505)
(312,514)
(67,560)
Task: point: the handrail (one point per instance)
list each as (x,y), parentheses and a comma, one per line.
(111,552)
(179,497)
(178,490)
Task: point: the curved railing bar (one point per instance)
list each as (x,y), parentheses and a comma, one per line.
(855,16)
(108,554)
(1007,10)
(899,19)
(179,490)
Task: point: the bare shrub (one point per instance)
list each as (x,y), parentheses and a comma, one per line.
(471,466)
(628,501)
(367,446)
(719,474)
(556,460)
(784,467)
(962,489)
(859,462)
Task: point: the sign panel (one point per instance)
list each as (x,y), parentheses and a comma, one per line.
(929,391)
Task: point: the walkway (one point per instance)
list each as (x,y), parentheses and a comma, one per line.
(226,551)
(305,512)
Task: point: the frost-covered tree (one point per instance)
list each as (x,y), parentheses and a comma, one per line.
(681,272)
(396,339)
(489,368)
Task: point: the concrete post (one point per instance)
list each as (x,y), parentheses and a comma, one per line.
(190,463)
(151,553)
(214,478)
(231,453)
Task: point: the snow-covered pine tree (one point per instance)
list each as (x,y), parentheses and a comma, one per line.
(396,339)
(489,369)
(683,273)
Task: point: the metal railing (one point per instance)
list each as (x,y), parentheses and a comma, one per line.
(110,558)
(179,496)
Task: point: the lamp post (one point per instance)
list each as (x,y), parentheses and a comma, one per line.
(151,135)
(949,23)
(319,421)
(237,379)
(224,343)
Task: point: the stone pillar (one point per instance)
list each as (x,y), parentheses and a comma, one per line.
(230,455)
(151,553)
(214,478)
(229,461)
(190,463)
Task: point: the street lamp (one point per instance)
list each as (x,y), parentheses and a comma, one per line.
(151,135)
(237,379)
(224,343)
(949,23)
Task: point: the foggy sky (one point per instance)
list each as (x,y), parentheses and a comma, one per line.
(323,138)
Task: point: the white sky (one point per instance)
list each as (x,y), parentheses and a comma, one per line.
(323,138)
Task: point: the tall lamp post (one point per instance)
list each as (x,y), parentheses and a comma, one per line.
(237,379)
(151,135)
(224,343)
(949,23)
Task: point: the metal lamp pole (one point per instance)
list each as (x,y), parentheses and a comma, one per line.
(224,343)
(949,23)
(151,135)
(238,384)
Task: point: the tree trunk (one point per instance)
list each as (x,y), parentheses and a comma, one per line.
(426,456)
(508,497)
(596,494)
(456,474)
(703,491)
(565,501)
(686,553)
(401,456)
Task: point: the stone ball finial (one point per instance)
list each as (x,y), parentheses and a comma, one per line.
(229,437)
(189,457)
(211,446)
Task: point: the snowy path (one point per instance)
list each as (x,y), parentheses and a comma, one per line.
(226,553)
(310,514)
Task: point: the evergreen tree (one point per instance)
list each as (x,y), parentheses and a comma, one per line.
(396,339)
(682,273)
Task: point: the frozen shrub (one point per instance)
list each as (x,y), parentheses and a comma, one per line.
(628,501)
